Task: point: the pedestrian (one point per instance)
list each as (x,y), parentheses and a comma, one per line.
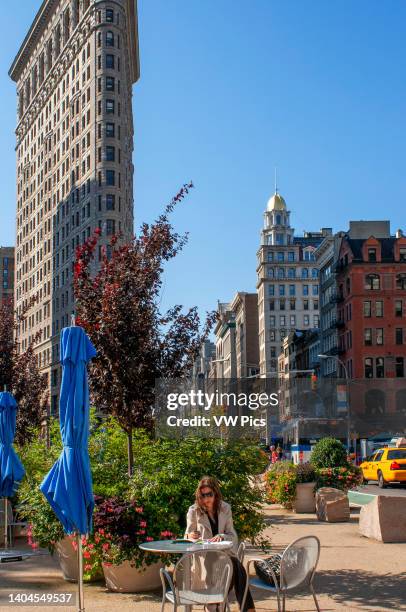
(280,452)
(274,455)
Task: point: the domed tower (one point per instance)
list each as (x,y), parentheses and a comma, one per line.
(277,230)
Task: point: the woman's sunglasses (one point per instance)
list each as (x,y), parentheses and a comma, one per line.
(209,494)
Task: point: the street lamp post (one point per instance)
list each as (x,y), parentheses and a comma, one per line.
(347,383)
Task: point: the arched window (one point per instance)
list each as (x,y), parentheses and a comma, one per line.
(401,281)
(75,12)
(49,54)
(372,282)
(109,39)
(66,26)
(57,40)
(278,220)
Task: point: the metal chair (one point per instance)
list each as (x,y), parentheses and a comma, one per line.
(298,566)
(11,522)
(241,552)
(199,578)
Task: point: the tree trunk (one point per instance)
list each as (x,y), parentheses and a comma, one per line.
(130,452)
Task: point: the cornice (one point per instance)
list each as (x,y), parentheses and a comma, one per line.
(46,9)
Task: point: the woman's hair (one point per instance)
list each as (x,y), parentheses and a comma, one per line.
(211,483)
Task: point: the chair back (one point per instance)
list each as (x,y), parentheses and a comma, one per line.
(241,552)
(10,518)
(203,576)
(299,562)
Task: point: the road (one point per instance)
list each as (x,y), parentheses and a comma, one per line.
(373,489)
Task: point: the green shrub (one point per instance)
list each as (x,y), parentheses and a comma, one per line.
(167,472)
(329,453)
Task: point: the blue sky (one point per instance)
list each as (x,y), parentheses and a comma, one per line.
(230,89)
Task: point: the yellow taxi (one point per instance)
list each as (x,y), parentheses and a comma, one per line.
(385,465)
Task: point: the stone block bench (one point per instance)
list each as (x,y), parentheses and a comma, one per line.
(384,519)
(332,505)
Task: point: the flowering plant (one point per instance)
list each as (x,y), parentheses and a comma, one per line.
(343,478)
(281,481)
(119,528)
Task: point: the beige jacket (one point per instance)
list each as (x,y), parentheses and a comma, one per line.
(197,520)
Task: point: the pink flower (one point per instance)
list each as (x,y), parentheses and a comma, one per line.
(149,539)
(140,509)
(143,523)
(140,532)
(107,564)
(86,554)
(34,545)
(101,531)
(88,567)
(105,546)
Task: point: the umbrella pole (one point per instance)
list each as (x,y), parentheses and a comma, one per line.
(5,523)
(81,607)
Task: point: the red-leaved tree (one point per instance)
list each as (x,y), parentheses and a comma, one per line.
(118,306)
(19,372)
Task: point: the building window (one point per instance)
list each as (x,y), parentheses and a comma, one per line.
(110,153)
(379,308)
(305,273)
(110,177)
(271,290)
(315,273)
(306,320)
(401,281)
(272,335)
(281,256)
(380,367)
(291,256)
(272,321)
(109,15)
(110,130)
(291,273)
(281,272)
(305,289)
(372,282)
(315,290)
(110,61)
(316,321)
(282,305)
(110,227)
(292,290)
(110,107)
(110,201)
(372,255)
(399,335)
(110,83)
(270,256)
(379,335)
(305,304)
(402,255)
(398,308)
(367,309)
(292,320)
(282,320)
(368,368)
(368,336)
(281,289)
(399,367)
(109,39)
(292,304)
(271,304)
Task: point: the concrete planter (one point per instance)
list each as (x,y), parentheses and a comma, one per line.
(126,579)
(305,500)
(68,560)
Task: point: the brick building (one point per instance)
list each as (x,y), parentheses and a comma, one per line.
(371,283)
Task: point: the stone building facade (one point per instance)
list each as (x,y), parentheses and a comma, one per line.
(6,274)
(287,282)
(74,74)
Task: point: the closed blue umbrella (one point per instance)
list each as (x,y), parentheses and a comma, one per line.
(11,468)
(68,485)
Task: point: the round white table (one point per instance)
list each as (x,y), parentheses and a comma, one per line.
(174,547)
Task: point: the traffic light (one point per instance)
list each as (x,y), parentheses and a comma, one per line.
(313,381)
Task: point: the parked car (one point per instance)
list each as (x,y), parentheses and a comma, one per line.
(386,465)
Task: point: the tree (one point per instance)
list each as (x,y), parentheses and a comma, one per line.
(118,306)
(19,372)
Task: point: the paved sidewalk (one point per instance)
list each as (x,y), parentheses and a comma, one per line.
(355,574)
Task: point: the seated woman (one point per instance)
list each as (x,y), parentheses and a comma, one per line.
(210,518)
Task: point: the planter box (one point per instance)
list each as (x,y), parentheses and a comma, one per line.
(305,500)
(126,579)
(68,560)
